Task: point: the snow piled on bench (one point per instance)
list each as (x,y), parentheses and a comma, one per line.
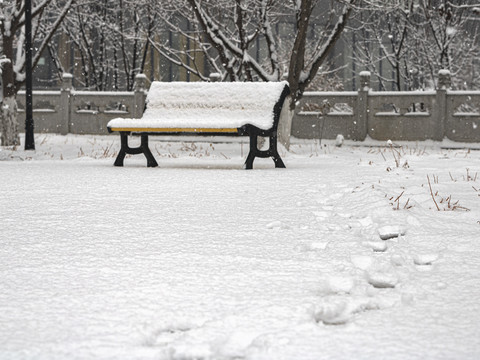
(207,105)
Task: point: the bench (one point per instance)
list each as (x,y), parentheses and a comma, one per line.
(207,108)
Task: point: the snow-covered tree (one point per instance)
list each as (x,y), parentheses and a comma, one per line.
(382,30)
(450,39)
(110,41)
(46,18)
(240,40)
(404,43)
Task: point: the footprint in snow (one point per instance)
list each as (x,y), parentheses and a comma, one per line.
(398,260)
(366,221)
(424,262)
(340,311)
(381,280)
(334,313)
(362,262)
(337,285)
(166,335)
(377,246)
(425,259)
(390,232)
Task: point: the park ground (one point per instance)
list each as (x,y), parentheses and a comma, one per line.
(366,251)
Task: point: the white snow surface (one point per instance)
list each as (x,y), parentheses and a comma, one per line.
(200,259)
(207,105)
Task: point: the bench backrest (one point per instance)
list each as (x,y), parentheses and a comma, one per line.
(215,105)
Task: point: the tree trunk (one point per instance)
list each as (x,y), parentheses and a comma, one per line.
(9,128)
(8,111)
(285,124)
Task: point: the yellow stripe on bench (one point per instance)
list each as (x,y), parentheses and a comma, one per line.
(177,130)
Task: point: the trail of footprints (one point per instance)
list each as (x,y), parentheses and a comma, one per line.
(375,281)
(375,275)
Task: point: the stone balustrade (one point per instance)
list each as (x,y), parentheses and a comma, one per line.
(406,115)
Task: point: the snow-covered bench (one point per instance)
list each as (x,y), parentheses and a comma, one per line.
(207,108)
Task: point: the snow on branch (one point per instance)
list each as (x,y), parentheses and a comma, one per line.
(36,11)
(307,75)
(270,39)
(19,65)
(177,60)
(229,52)
(52,31)
(474,7)
(3,60)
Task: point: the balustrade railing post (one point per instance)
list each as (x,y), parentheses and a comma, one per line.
(140,94)
(361,121)
(440,118)
(65,103)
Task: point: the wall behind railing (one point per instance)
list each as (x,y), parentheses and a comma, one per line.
(406,115)
(82,112)
(409,115)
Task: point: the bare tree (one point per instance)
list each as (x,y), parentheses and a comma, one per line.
(302,70)
(109,40)
(384,29)
(406,42)
(47,16)
(238,39)
(450,36)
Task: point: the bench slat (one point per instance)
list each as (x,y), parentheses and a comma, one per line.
(177,130)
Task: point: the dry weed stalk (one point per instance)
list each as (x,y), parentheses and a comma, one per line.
(476,190)
(395,202)
(106,150)
(418,152)
(469,177)
(188,147)
(397,154)
(450,206)
(384,158)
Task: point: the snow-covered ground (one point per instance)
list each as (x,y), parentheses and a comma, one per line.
(200,259)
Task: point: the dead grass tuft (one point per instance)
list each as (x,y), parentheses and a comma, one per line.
(396,202)
(444,203)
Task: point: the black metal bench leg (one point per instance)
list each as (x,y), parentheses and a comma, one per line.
(252,153)
(123,150)
(143,148)
(271,152)
(151,162)
(274,152)
(120,158)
